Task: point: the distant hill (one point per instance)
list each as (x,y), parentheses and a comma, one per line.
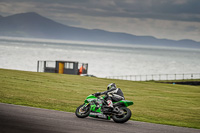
(33,25)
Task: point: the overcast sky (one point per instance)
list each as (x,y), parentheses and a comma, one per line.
(171,19)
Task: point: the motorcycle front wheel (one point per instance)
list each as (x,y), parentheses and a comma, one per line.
(123,116)
(82,111)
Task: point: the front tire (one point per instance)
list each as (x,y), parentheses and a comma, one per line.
(82,112)
(124,117)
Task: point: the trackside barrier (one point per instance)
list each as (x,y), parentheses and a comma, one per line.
(157,77)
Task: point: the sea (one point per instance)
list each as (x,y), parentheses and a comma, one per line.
(104,60)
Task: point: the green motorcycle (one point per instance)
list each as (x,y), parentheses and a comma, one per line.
(96,106)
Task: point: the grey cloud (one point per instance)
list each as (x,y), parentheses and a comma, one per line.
(155,9)
(162,9)
(182,10)
(129,16)
(162,6)
(192,29)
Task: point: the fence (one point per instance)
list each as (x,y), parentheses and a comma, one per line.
(157,77)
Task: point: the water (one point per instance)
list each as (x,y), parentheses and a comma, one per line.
(104,60)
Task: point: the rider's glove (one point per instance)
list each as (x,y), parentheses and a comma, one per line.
(97,94)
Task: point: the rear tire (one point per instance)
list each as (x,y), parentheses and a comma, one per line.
(124,117)
(81,112)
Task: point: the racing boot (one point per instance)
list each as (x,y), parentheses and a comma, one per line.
(110,105)
(112,109)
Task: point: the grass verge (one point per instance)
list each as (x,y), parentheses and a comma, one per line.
(170,104)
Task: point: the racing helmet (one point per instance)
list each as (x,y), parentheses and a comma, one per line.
(111,85)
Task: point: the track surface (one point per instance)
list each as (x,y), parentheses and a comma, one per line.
(21,119)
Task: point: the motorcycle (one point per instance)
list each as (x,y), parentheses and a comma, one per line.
(96,106)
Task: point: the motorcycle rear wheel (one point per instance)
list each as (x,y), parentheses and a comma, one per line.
(82,112)
(122,117)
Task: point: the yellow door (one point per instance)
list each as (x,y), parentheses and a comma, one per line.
(61,68)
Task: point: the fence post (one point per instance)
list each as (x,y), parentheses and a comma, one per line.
(38,66)
(175,76)
(183,76)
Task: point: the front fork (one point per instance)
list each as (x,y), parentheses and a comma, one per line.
(85,106)
(82,110)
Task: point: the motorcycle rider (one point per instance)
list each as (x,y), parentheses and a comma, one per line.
(114,94)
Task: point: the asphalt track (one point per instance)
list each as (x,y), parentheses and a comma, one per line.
(21,119)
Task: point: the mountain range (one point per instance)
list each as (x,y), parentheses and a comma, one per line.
(33,25)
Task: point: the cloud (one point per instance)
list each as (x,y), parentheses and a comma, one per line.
(10,7)
(182,10)
(159,18)
(187,10)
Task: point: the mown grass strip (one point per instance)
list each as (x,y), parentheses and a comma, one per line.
(170,104)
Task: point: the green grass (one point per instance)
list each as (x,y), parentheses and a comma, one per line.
(153,102)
